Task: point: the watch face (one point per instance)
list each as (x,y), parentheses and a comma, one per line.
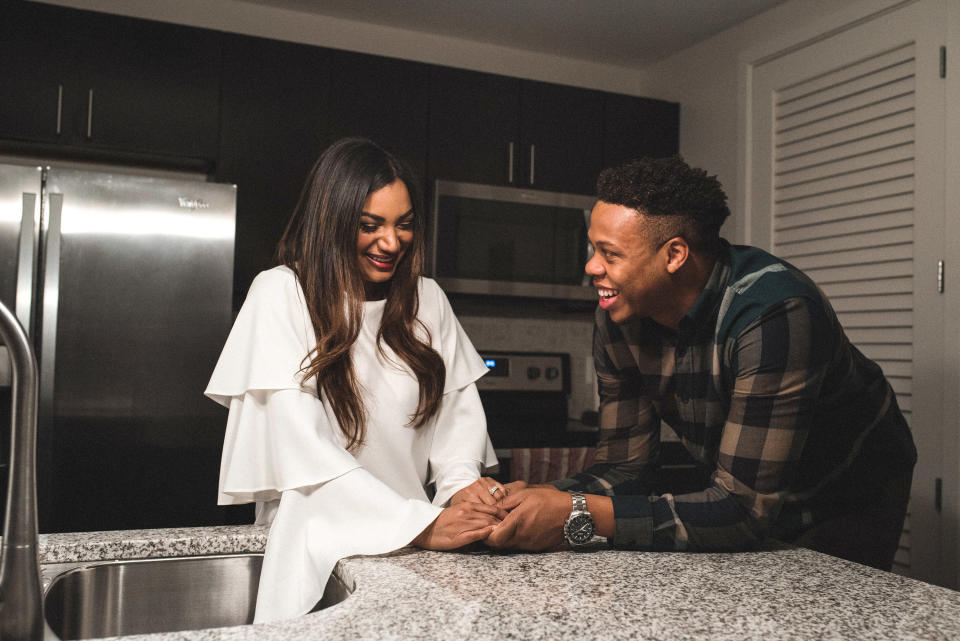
(580,529)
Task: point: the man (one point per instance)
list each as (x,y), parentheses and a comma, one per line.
(742,355)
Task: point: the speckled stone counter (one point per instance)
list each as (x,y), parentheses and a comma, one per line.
(780,593)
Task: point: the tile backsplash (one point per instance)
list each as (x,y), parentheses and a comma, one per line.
(569,333)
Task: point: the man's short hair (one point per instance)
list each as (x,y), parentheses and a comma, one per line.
(679,200)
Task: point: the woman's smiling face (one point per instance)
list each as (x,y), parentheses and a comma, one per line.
(384,234)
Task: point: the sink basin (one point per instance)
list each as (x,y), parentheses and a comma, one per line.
(116,598)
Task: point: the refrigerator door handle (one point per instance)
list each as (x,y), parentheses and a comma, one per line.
(26,261)
(51,304)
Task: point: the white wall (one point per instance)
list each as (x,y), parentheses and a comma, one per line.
(709,80)
(238,16)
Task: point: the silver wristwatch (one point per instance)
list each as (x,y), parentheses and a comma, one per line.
(578,530)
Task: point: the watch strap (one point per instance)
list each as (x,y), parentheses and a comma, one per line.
(579,502)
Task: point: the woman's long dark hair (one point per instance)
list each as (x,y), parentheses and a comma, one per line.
(320,246)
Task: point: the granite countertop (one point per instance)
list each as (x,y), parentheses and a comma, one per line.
(777,593)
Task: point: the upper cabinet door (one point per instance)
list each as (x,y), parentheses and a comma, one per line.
(384,99)
(37,75)
(635,127)
(474,127)
(147,86)
(562,130)
(273,128)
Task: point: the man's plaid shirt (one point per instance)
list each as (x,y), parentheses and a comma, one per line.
(763,387)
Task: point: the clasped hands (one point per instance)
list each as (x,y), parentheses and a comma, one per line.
(510,516)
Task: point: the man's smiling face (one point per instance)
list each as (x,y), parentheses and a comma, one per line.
(628,268)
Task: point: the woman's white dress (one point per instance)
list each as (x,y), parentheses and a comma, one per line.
(283,447)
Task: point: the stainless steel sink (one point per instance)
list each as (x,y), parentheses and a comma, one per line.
(116,598)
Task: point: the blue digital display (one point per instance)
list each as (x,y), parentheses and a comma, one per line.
(498,366)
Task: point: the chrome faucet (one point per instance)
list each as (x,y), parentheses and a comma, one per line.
(21,603)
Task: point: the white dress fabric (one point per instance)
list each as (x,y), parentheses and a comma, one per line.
(283,447)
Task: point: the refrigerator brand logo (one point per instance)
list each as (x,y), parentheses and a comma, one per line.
(193,203)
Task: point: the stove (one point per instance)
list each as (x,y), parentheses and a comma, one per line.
(525,397)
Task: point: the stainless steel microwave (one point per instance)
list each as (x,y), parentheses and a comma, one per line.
(507,241)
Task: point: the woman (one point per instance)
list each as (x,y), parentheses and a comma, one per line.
(351,391)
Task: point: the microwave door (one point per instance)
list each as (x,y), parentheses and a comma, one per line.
(510,242)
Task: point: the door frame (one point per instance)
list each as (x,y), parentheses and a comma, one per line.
(939,563)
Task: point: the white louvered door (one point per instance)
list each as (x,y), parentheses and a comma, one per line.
(846,183)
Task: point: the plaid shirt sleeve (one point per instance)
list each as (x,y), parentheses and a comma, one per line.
(778,364)
(629,441)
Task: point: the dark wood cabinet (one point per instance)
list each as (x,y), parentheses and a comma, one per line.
(474,126)
(38,75)
(635,127)
(384,99)
(561,130)
(505,131)
(148,87)
(97,81)
(273,128)
(282,104)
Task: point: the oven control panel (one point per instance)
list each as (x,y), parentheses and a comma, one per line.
(523,372)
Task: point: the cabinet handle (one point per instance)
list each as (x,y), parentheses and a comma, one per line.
(510,163)
(59,107)
(533,163)
(90,114)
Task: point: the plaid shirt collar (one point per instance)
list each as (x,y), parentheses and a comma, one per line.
(701,317)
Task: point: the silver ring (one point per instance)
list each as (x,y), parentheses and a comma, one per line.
(493,490)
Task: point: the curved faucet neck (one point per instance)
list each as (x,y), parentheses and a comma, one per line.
(21,601)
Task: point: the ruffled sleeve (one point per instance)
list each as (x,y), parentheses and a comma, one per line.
(461,449)
(279,435)
(268,342)
(463,363)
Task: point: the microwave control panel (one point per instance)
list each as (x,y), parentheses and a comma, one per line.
(519,372)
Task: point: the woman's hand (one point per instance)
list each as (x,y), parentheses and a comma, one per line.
(459,525)
(484,490)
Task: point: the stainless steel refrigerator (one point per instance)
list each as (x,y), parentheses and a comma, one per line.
(124,283)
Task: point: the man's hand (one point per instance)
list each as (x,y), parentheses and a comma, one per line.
(535,520)
(459,525)
(515,486)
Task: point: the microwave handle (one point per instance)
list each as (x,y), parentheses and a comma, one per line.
(510,163)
